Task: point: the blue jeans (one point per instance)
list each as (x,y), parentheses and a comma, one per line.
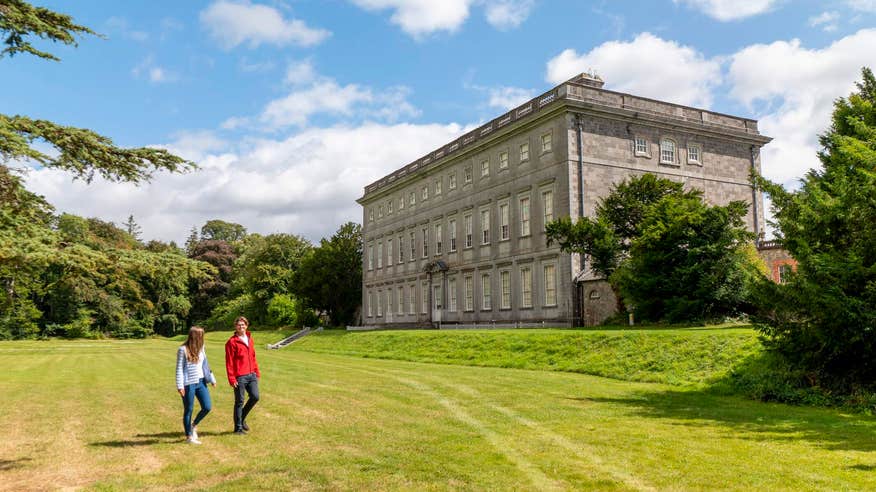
(249,384)
(198,390)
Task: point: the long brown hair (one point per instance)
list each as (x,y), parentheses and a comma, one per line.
(194,343)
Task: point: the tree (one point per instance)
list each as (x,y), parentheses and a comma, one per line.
(209,292)
(68,272)
(330,279)
(133,228)
(80,151)
(266,268)
(219,230)
(606,238)
(689,261)
(823,320)
(192,240)
(664,251)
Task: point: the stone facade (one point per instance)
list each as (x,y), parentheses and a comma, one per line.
(458,235)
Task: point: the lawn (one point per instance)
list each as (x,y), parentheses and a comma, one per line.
(105,415)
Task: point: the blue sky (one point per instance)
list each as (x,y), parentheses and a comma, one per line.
(292,107)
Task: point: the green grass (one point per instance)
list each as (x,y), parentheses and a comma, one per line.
(675,356)
(105,415)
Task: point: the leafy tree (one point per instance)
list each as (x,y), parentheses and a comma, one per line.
(219,230)
(823,320)
(606,238)
(209,292)
(330,279)
(688,261)
(664,251)
(266,268)
(68,271)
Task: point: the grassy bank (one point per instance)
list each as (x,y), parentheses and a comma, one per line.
(672,356)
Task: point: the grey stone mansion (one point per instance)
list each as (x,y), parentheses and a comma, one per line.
(457,236)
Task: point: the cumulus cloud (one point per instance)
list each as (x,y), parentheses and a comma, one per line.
(508,14)
(663,69)
(305,184)
(313,94)
(420,18)
(730,10)
(233,23)
(828,21)
(792,88)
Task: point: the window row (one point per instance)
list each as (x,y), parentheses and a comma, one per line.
(669,151)
(437,185)
(473,293)
(419,242)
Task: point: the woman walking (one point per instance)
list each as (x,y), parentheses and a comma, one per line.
(192,375)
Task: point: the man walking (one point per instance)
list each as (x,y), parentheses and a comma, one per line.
(243,372)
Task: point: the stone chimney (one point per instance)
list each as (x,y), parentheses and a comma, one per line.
(590,79)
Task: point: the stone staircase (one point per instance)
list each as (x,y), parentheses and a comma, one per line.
(286,341)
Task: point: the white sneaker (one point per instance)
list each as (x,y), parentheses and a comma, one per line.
(195,433)
(193,440)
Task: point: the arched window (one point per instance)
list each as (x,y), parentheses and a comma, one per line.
(667,151)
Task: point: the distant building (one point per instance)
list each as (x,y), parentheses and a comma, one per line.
(778,261)
(458,235)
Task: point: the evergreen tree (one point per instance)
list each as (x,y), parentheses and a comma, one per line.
(330,279)
(132,228)
(192,241)
(824,318)
(80,151)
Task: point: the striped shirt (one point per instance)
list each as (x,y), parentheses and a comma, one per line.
(191,372)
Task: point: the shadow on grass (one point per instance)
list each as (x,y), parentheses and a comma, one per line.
(6,465)
(747,419)
(153,439)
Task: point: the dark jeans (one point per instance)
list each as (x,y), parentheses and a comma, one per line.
(249,384)
(199,391)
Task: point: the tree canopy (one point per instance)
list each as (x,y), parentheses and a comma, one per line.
(664,251)
(330,279)
(824,318)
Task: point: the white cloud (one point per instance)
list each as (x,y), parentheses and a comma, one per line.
(233,23)
(304,184)
(663,69)
(420,18)
(729,10)
(300,72)
(829,21)
(862,5)
(325,96)
(505,98)
(793,89)
(508,14)
(154,73)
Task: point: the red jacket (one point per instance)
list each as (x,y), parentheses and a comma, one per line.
(240,359)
